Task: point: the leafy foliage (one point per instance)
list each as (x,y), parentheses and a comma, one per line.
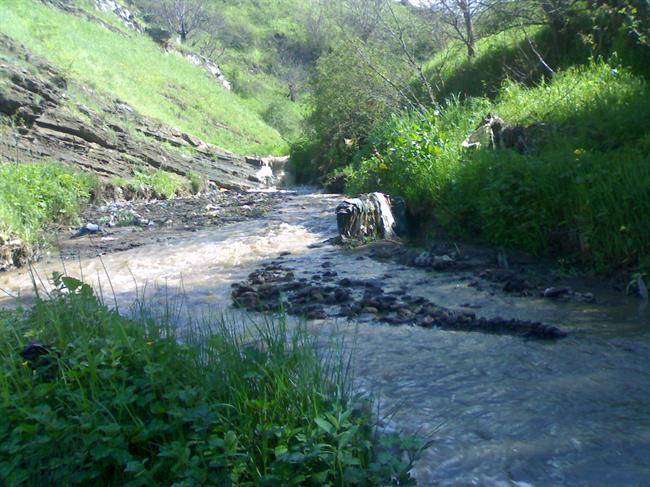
(33,195)
(100,398)
(582,191)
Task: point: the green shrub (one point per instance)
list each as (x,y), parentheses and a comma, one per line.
(582,191)
(119,401)
(33,195)
(197,182)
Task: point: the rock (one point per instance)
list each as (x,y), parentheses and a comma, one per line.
(494,133)
(43,359)
(556,292)
(423,259)
(210,66)
(368,217)
(100,140)
(125,15)
(516,285)
(88,229)
(442,262)
(14,253)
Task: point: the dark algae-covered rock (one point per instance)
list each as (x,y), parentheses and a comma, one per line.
(275,288)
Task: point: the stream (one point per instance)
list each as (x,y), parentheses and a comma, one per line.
(500,410)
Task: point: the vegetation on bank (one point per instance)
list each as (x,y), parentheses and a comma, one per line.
(132,67)
(34,195)
(89,396)
(160,184)
(580,188)
(581,191)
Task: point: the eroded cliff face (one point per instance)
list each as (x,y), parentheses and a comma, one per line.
(40,121)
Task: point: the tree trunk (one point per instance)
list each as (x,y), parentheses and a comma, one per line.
(469,28)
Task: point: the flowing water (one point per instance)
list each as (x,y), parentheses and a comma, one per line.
(500,410)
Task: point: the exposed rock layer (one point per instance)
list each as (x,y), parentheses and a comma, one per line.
(111,139)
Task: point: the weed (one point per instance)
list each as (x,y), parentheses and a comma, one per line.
(582,191)
(33,195)
(87,395)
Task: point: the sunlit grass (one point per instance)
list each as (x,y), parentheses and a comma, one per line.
(583,191)
(34,195)
(134,69)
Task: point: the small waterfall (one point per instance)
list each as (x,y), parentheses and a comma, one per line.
(272,172)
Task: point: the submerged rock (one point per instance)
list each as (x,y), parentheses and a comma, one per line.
(275,287)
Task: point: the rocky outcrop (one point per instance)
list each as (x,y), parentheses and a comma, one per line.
(210,66)
(372,216)
(110,139)
(124,14)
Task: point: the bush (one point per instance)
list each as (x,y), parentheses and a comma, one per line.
(583,191)
(33,195)
(348,100)
(100,398)
(197,182)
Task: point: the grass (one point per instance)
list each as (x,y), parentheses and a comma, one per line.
(159,184)
(134,69)
(34,195)
(582,192)
(90,396)
(508,56)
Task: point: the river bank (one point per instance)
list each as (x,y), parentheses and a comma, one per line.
(499,408)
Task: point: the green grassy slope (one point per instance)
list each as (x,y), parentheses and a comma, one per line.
(260,46)
(134,69)
(582,190)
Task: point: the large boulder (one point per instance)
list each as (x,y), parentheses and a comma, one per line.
(370,217)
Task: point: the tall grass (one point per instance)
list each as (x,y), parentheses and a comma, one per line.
(582,191)
(133,68)
(33,195)
(100,398)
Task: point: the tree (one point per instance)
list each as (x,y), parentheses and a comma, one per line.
(460,16)
(181,16)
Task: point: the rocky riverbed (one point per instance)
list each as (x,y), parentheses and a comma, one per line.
(121,225)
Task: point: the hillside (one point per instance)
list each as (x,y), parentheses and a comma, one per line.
(524,145)
(123,64)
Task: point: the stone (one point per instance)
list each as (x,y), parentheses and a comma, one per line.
(88,229)
(556,292)
(494,133)
(369,217)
